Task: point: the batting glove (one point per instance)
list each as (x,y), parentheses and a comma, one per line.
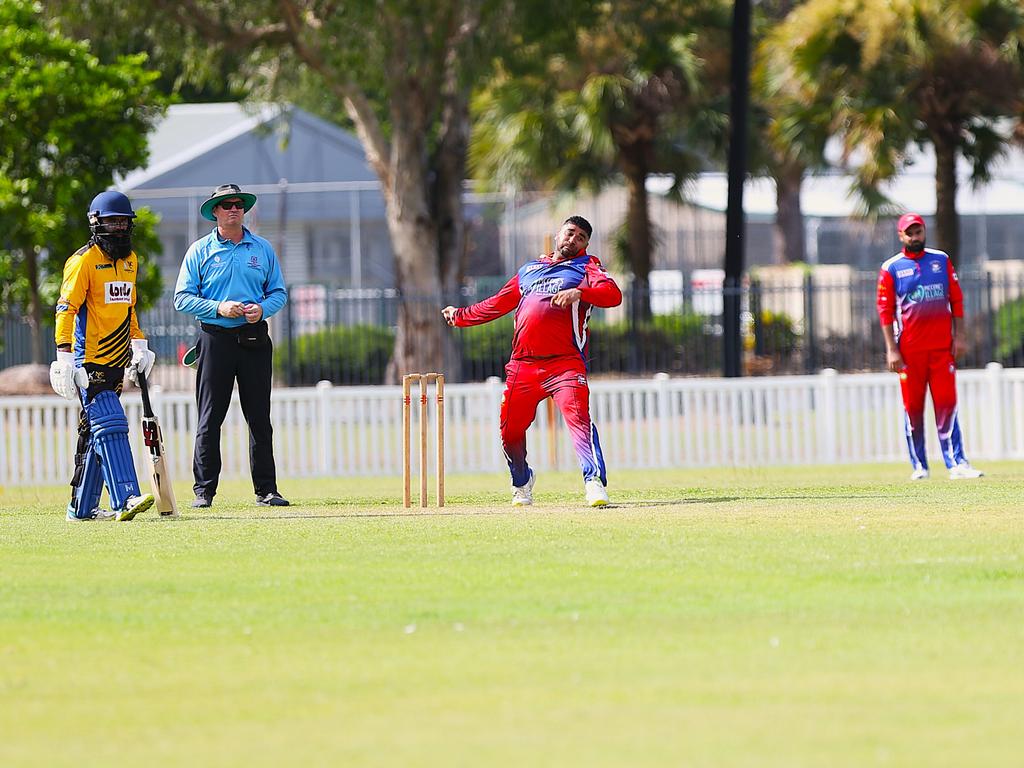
(65,378)
(142,359)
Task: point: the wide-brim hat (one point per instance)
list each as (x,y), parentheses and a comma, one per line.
(223,192)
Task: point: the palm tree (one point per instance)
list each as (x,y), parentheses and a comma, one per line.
(888,74)
(611,102)
(786,139)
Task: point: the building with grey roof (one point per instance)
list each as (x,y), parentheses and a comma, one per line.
(319,201)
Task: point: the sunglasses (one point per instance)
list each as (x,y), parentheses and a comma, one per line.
(237,204)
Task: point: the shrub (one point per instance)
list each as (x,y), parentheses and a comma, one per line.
(779,334)
(353,354)
(677,343)
(1009,332)
(486,348)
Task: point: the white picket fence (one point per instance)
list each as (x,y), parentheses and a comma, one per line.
(661,422)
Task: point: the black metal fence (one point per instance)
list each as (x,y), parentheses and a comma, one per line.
(801,326)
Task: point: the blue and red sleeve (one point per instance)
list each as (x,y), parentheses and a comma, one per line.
(886,298)
(597,288)
(956,295)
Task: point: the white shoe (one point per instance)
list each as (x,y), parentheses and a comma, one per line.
(597,496)
(134,506)
(919,474)
(522,495)
(99,514)
(964,472)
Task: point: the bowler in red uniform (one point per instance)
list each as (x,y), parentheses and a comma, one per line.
(552,297)
(921,308)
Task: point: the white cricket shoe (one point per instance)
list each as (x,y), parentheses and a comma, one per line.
(919,474)
(597,496)
(134,506)
(964,472)
(522,495)
(98,514)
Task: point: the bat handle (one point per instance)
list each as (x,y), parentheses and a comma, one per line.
(147,407)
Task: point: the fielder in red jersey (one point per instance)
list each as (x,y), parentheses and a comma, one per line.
(552,297)
(920,306)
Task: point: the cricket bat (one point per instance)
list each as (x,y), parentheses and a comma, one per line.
(163,491)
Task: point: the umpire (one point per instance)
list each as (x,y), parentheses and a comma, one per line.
(231,281)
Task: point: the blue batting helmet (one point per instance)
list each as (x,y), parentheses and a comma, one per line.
(110,221)
(110,203)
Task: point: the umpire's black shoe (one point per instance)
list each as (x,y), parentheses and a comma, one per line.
(201,502)
(272,499)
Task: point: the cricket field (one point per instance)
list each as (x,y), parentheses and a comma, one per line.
(769,617)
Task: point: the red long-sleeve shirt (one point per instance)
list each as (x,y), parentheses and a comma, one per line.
(921,294)
(542,330)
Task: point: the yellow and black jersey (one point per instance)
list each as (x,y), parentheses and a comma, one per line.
(96,309)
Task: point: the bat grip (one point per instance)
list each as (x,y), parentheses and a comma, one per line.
(147,408)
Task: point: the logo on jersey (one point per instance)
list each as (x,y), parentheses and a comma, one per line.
(549,286)
(581,379)
(105,266)
(905,272)
(117,292)
(936,267)
(927,293)
(532,267)
(254,261)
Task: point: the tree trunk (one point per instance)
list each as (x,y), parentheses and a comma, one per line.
(449,214)
(947,223)
(640,241)
(419,346)
(35,311)
(790,246)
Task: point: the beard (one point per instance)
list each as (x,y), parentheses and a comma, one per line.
(916,247)
(565,251)
(115,246)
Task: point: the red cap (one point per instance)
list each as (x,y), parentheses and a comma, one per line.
(908,220)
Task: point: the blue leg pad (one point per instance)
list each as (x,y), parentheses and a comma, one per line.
(89,484)
(110,441)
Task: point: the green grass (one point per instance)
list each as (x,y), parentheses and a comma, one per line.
(775,617)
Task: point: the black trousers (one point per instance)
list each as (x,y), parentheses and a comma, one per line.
(221,361)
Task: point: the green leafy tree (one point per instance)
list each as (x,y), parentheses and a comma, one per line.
(67,125)
(116,29)
(402,71)
(613,98)
(887,75)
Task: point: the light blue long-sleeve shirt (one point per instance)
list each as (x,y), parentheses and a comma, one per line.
(216,270)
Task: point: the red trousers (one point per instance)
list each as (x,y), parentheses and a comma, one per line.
(935,370)
(526,385)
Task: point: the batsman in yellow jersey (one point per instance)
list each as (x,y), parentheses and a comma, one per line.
(98,337)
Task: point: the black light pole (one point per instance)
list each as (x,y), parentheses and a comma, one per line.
(739,97)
